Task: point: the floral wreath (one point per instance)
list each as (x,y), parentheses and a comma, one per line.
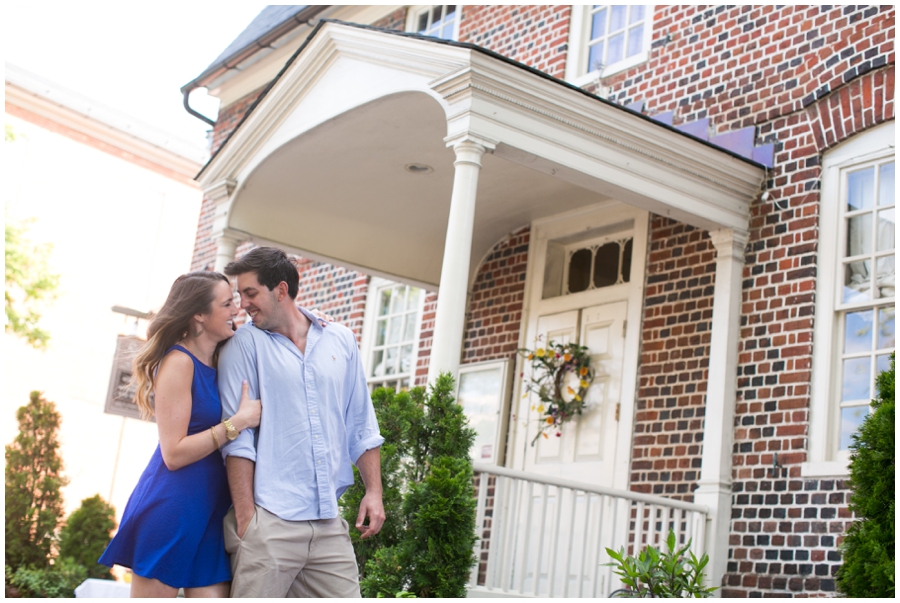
(551,368)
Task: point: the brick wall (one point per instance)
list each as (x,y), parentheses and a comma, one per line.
(807,77)
(534,35)
(335,291)
(396,20)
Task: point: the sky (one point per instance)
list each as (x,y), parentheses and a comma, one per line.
(133,57)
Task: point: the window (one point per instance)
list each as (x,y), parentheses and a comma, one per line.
(441,21)
(605,39)
(596,259)
(855,298)
(391,333)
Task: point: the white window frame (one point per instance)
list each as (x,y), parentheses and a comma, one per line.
(412,18)
(370,319)
(577,70)
(825,460)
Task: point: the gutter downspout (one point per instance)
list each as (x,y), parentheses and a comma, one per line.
(187,107)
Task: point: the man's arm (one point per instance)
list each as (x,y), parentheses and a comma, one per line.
(240,483)
(371,506)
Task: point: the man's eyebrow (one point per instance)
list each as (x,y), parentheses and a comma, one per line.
(248,289)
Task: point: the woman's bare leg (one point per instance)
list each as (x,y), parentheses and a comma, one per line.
(142,588)
(218,591)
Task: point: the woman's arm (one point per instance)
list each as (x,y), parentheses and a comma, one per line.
(173,414)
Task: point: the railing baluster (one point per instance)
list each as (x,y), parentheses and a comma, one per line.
(540,546)
(523,556)
(588,497)
(571,541)
(480,509)
(554,542)
(638,527)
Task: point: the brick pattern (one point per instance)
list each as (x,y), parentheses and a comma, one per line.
(670,401)
(534,35)
(494,318)
(230,117)
(335,291)
(426,338)
(395,21)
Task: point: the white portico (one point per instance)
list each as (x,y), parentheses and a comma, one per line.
(411,158)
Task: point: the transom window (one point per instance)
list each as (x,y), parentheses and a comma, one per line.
(866,297)
(598,266)
(392,333)
(439,21)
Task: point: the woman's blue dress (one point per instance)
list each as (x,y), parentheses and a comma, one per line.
(172,526)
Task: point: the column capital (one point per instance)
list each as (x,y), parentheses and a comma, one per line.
(220,190)
(228,234)
(729,241)
(468,141)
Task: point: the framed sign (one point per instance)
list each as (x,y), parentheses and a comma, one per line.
(120,395)
(483,392)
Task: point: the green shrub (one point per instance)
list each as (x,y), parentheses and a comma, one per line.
(55,581)
(868,567)
(425,546)
(654,573)
(87,532)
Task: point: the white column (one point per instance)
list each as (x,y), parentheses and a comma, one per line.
(450,316)
(714,486)
(226,244)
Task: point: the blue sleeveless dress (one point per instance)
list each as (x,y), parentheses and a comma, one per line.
(172,526)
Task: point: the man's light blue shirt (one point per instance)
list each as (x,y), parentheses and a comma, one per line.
(317,416)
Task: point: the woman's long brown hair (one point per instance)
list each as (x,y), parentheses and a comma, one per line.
(191,294)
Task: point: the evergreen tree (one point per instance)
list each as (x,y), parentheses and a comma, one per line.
(33,482)
(425,546)
(87,532)
(868,568)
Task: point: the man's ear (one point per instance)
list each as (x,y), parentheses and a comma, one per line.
(281,290)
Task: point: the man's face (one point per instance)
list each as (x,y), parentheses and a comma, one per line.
(260,302)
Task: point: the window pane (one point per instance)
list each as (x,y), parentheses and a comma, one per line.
(859,235)
(423,23)
(412,300)
(858,332)
(884,276)
(451,9)
(606,265)
(856,379)
(883,363)
(595,59)
(390,361)
(856,281)
(436,14)
(635,40)
(378,363)
(380,328)
(626,260)
(579,270)
(637,13)
(598,24)
(615,49)
(886,230)
(447,32)
(394,330)
(398,300)
(885,330)
(886,187)
(860,189)
(385,302)
(617,18)
(409,329)
(405,358)
(851,419)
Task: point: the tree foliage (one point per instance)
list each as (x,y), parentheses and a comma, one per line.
(33,481)
(29,283)
(87,532)
(425,546)
(55,581)
(868,567)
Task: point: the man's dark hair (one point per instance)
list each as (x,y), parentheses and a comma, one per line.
(271,266)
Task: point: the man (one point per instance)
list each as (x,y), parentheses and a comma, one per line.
(284,533)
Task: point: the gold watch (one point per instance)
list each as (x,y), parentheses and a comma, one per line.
(230,432)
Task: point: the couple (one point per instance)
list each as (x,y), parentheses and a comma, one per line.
(286,467)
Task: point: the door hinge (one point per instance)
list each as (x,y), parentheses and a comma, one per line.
(624,328)
(618,406)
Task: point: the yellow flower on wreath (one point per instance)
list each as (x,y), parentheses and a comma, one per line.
(539,352)
(583,384)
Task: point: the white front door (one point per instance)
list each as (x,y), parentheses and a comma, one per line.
(585,448)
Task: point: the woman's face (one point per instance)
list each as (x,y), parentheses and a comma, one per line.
(219,322)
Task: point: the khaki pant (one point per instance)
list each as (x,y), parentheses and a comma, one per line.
(278,558)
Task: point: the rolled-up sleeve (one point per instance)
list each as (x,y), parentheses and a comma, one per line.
(237,362)
(362,425)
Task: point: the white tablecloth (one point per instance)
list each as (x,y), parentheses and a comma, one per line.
(92,588)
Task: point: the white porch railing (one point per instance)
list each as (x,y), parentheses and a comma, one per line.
(546,537)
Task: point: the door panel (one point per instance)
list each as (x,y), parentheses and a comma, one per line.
(586,447)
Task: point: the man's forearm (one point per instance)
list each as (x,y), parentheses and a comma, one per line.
(369,465)
(240,483)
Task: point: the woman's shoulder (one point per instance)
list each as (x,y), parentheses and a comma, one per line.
(177,359)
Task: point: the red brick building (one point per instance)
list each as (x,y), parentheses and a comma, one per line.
(702,195)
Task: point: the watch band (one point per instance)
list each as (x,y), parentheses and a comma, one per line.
(230,432)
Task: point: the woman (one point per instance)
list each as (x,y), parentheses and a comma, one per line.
(171,532)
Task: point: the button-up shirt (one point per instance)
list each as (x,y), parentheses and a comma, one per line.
(317,416)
